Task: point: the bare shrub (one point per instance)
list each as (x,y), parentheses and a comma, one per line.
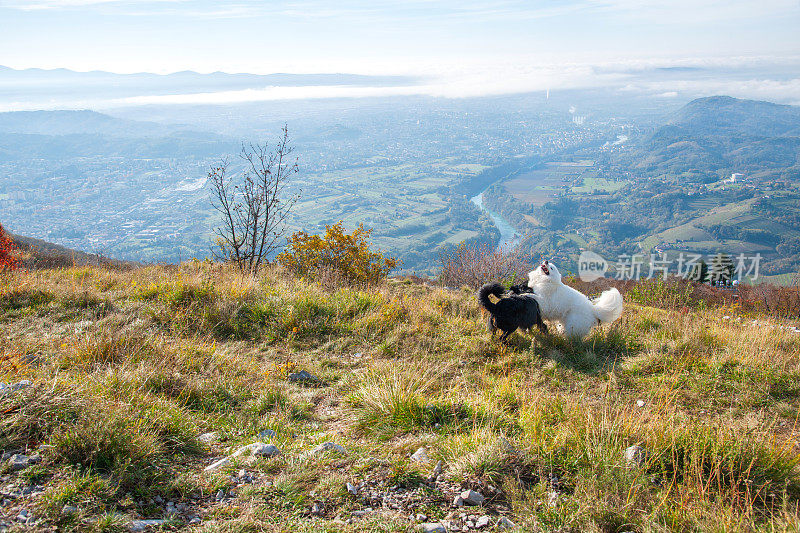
(677,293)
(472,265)
(773,300)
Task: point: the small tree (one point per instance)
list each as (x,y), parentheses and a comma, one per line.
(346,256)
(252,204)
(8,261)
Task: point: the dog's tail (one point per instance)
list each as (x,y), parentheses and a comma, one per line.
(608,307)
(494,289)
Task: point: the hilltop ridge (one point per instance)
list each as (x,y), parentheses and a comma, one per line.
(721,133)
(192,398)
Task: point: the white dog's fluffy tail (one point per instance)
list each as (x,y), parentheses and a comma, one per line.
(608,307)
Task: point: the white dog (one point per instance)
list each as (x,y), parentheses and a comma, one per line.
(575,314)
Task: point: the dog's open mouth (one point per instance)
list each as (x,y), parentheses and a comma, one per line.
(545,269)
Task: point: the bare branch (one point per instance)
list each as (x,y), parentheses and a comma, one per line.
(254,211)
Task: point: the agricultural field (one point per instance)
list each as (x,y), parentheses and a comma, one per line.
(592,184)
(403,203)
(692,237)
(540,185)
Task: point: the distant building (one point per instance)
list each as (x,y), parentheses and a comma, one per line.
(736,177)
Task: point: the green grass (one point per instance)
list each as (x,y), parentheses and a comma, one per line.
(592,184)
(129,368)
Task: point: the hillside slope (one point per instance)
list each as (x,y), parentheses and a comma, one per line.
(724,133)
(38,254)
(142,384)
(53,135)
(64,122)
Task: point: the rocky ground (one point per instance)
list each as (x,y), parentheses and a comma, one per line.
(464,506)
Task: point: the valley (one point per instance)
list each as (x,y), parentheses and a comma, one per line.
(621,203)
(408,168)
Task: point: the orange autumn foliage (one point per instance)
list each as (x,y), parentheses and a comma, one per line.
(347,255)
(7,250)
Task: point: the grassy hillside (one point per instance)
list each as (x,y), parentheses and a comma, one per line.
(141,379)
(38,254)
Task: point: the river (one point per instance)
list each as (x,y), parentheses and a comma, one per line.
(509,238)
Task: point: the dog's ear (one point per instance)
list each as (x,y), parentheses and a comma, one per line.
(520,289)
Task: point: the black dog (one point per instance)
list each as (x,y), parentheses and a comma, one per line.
(515,311)
(520,289)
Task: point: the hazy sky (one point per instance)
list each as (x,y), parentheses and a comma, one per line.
(379,36)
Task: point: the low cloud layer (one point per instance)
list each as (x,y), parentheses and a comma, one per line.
(772,79)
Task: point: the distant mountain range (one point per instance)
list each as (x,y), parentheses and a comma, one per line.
(198,80)
(60,88)
(724,134)
(78,122)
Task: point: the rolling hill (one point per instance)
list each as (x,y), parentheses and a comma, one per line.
(36,254)
(723,134)
(83,133)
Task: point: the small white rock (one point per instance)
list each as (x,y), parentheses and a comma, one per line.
(471,497)
(266,450)
(18,462)
(640,403)
(635,455)
(141,525)
(433,528)
(505,523)
(482,522)
(352,489)
(19,385)
(245,449)
(207,438)
(421,455)
(329,447)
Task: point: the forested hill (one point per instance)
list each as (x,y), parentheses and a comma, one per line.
(723,134)
(721,115)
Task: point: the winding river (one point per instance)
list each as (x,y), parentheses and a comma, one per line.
(509,237)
